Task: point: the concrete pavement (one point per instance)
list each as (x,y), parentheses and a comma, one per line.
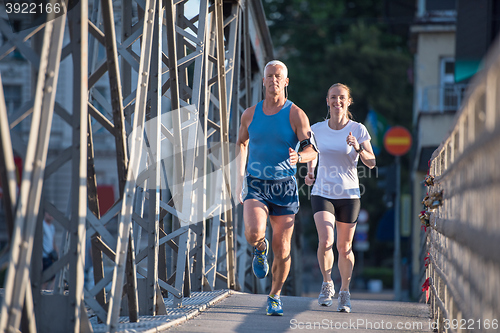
(241,312)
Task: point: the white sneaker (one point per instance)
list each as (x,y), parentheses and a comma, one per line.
(344,301)
(326,294)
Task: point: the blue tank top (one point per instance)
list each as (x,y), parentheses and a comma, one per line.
(270,138)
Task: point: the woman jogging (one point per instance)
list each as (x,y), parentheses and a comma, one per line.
(335,197)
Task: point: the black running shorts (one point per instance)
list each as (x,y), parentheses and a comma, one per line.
(344,210)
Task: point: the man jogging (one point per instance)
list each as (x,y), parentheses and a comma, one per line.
(271,131)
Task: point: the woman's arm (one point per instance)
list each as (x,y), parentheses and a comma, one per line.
(364,150)
(366,154)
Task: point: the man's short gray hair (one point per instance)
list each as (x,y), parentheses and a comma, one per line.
(276,63)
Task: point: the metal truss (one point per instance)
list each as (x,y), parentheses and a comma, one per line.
(21,290)
(177,86)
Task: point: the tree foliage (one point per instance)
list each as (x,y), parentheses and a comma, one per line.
(324,42)
(361,43)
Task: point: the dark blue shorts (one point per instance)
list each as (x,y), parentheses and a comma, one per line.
(281,196)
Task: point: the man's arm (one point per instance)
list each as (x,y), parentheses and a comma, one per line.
(302,128)
(311,166)
(242,150)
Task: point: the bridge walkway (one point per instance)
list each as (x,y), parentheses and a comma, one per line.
(229,311)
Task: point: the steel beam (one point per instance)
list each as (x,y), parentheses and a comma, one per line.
(202,65)
(17,277)
(7,166)
(125,219)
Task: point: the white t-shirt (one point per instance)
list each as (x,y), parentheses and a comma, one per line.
(337,176)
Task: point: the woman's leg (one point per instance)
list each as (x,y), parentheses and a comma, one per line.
(345,235)
(325,222)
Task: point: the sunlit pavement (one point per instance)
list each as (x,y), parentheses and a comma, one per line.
(241,312)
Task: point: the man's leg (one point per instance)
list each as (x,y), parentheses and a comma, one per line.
(282,237)
(255,217)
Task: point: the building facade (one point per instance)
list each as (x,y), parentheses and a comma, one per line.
(436,100)
(450,39)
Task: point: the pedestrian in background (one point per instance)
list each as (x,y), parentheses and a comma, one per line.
(50,252)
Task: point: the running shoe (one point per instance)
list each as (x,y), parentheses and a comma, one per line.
(259,264)
(274,306)
(326,294)
(344,301)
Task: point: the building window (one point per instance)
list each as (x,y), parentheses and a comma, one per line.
(13,100)
(431,5)
(450,92)
(16,26)
(447,71)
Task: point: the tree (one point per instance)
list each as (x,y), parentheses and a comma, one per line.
(362,44)
(327,42)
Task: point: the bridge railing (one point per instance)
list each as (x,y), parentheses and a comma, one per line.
(463,234)
(149,97)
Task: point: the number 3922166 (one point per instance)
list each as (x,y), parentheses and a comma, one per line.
(27,7)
